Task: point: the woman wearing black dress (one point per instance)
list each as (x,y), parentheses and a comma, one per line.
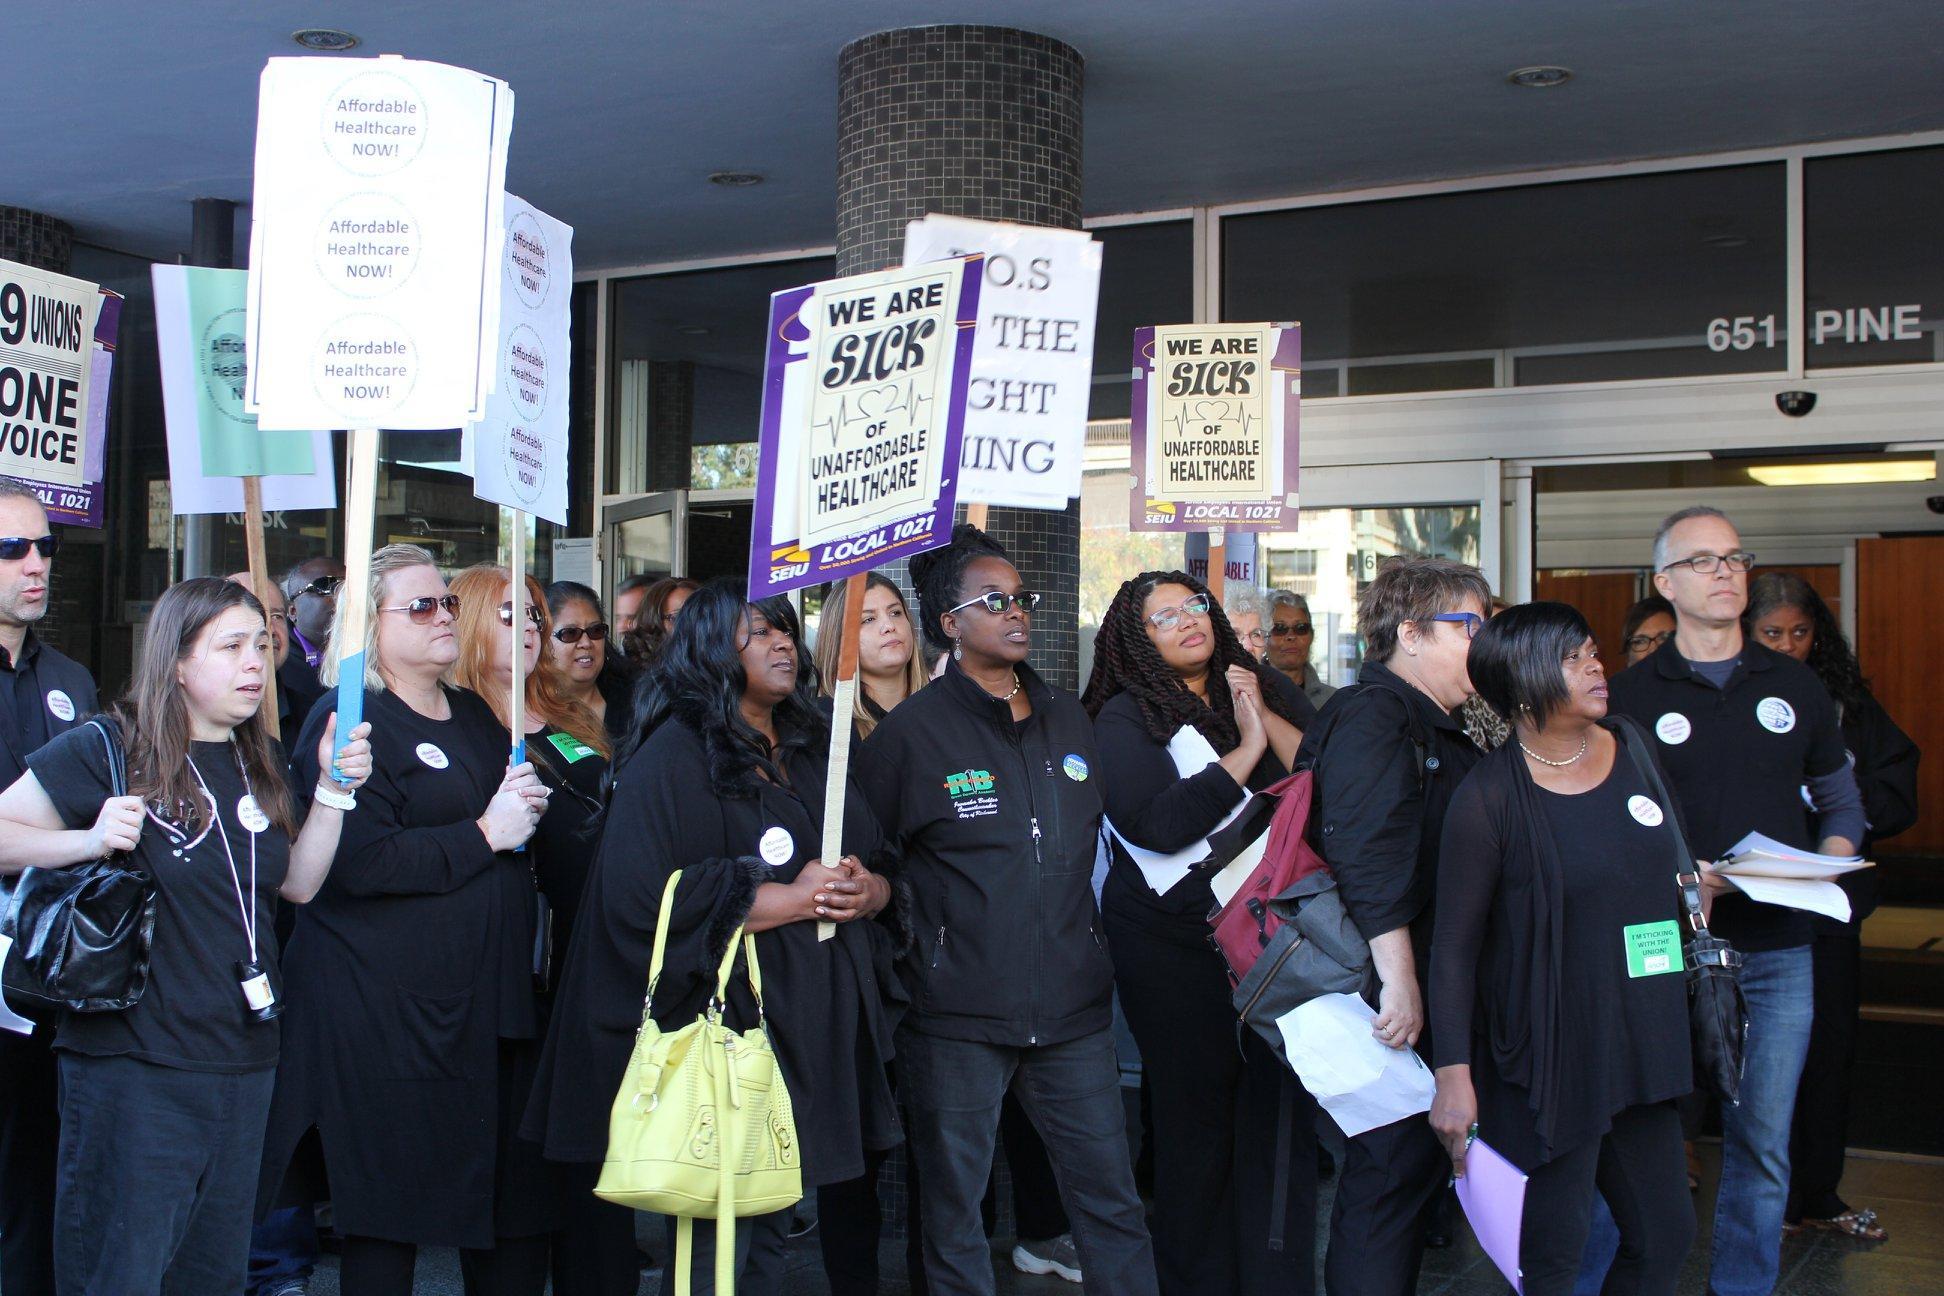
(724,780)
(1167,663)
(1559,1008)
(410,976)
(1785,613)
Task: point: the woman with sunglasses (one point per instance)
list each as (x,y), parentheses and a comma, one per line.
(1388,753)
(724,782)
(163,1104)
(579,645)
(410,977)
(1169,675)
(1292,634)
(984,781)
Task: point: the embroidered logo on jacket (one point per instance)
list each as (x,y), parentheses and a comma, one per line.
(972,793)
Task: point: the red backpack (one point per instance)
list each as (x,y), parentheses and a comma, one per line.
(1243,926)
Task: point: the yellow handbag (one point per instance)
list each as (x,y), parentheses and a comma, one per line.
(702,1124)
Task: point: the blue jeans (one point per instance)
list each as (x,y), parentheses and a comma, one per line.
(1747,1255)
(283,1246)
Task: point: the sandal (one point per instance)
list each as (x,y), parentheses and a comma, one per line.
(1859,1224)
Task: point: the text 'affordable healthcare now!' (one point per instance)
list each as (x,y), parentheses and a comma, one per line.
(374,252)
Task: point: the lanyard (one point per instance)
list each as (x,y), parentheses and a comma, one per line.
(244,908)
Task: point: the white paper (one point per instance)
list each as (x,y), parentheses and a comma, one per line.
(47,328)
(1032,357)
(1191,754)
(1362,1083)
(9,1019)
(573,560)
(189,490)
(1825,898)
(374,245)
(519,451)
(1765,857)
(1226,883)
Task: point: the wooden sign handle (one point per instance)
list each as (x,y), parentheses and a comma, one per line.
(354,597)
(1217,562)
(843,703)
(516,591)
(261,584)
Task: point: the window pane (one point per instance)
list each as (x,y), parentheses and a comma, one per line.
(1873,282)
(1591,281)
(688,372)
(1147,276)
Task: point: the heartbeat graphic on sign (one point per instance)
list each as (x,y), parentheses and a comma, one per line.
(873,405)
(1183,420)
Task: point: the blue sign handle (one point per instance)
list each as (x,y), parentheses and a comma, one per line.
(350,706)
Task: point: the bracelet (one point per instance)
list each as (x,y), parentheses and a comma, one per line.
(326,794)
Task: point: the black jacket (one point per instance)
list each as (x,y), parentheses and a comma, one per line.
(1885,761)
(998,824)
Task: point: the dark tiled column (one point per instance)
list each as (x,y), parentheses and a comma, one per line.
(671,424)
(35,240)
(968,121)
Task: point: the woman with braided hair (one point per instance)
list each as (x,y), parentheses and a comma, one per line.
(1185,720)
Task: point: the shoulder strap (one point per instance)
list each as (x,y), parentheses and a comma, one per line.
(1686,874)
(117,761)
(661,936)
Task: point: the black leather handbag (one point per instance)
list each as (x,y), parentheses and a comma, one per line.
(81,935)
(1717,1008)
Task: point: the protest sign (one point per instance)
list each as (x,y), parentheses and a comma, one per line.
(82,505)
(863,408)
(47,334)
(1032,358)
(214,441)
(519,451)
(1214,437)
(1239,561)
(374,245)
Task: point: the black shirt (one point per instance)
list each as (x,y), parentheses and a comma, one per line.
(42,693)
(1737,757)
(1622,1039)
(192,1014)
(563,849)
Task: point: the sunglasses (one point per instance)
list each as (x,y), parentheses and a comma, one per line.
(1169,618)
(1293,628)
(995,602)
(506,613)
(323,587)
(424,608)
(572,634)
(14,548)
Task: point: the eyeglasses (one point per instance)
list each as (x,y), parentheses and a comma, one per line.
(424,608)
(1645,643)
(1470,620)
(14,548)
(506,613)
(572,634)
(1255,638)
(324,587)
(1705,564)
(995,602)
(1169,618)
(1280,631)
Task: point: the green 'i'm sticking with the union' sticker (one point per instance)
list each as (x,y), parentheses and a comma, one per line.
(571,747)
(1653,949)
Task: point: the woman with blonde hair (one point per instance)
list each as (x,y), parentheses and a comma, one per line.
(889,669)
(413,1018)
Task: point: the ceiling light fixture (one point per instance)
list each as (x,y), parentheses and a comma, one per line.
(324,40)
(735,179)
(1540,77)
(1726,241)
(693,330)
(1869,472)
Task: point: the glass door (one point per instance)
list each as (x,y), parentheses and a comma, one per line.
(644,536)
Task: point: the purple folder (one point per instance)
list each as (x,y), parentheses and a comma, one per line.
(1493,1195)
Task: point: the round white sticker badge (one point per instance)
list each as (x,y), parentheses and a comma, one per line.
(60,704)
(250,814)
(1775,715)
(777,846)
(1644,811)
(1673,728)
(432,756)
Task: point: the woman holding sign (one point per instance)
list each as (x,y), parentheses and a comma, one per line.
(985,780)
(1559,1008)
(163,1104)
(724,782)
(410,975)
(1187,723)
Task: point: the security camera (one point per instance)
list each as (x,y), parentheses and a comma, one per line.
(1795,404)
(1935,503)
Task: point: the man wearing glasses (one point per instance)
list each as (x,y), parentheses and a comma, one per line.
(1741,730)
(43,693)
(311,588)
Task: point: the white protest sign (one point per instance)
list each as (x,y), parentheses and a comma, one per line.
(1032,362)
(374,247)
(519,451)
(200,345)
(47,331)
